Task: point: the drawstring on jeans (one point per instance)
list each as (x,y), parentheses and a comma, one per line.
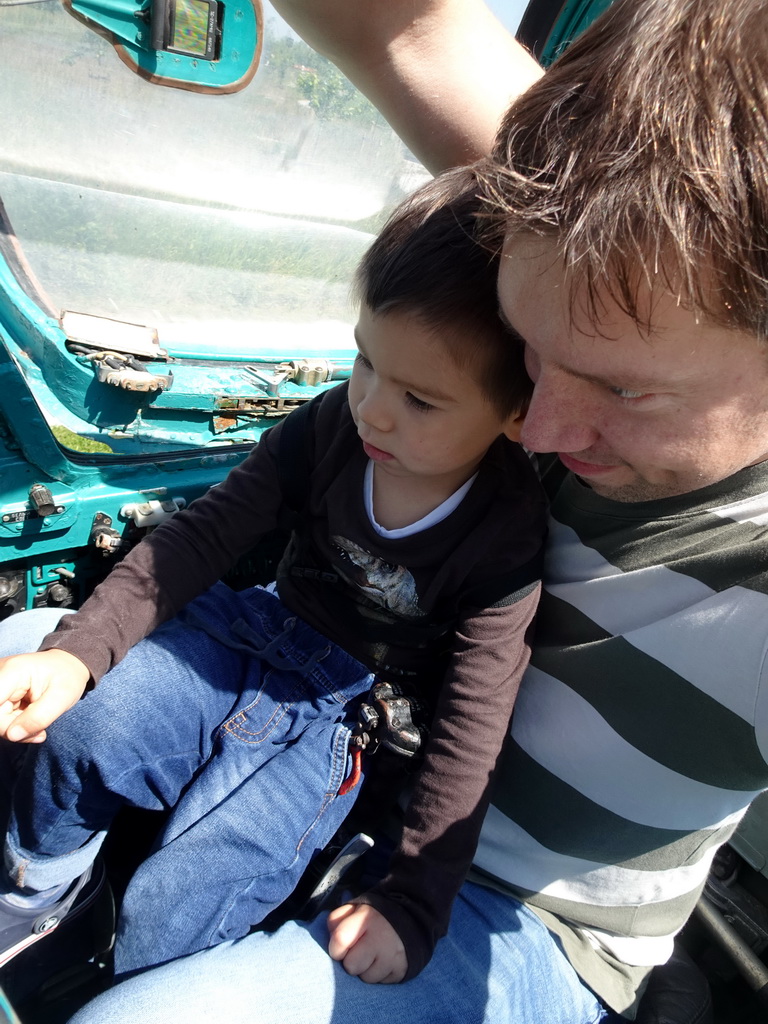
(244,637)
(354,776)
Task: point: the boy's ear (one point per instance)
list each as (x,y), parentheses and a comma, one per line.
(513,427)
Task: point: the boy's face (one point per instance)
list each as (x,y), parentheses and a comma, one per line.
(417,413)
(636,416)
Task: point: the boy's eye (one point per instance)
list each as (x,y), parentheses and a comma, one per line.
(360,358)
(417,403)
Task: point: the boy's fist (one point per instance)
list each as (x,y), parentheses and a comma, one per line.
(35,689)
(367,944)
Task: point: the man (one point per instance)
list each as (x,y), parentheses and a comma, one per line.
(632,190)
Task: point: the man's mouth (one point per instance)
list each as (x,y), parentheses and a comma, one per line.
(582,468)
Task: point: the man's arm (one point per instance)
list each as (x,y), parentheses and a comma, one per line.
(442,72)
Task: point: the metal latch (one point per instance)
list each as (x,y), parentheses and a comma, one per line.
(125,371)
(151,513)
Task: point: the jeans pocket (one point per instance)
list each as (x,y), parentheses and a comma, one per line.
(274,710)
(332,809)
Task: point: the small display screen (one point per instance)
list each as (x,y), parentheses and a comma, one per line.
(190,27)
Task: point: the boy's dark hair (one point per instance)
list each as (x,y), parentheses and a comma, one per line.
(427,261)
(644,152)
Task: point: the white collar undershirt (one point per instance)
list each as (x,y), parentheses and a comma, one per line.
(437,515)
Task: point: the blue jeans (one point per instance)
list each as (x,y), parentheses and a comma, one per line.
(234,716)
(497,965)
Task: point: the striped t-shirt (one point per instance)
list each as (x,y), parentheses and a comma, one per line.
(640,733)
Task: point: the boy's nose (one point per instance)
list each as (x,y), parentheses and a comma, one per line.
(373,411)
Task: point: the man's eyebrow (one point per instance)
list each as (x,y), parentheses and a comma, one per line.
(633,384)
(641,384)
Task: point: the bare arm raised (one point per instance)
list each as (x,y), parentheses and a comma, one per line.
(441,71)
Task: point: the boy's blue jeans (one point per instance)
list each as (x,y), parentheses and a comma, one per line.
(236,716)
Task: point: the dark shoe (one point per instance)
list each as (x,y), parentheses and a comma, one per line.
(21,928)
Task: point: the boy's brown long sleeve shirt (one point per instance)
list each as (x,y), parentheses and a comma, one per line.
(448,608)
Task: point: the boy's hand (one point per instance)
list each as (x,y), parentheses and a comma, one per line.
(367,944)
(35,689)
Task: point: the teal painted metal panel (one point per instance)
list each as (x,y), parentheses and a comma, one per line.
(575,16)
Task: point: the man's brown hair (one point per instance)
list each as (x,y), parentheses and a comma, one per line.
(644,151)
(427,261)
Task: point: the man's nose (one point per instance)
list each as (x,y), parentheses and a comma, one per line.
(560,416)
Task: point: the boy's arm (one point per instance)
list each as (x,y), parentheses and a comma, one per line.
(449,799)
(442,72)
(170,567)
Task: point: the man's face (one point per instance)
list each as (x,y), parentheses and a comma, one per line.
(636,416)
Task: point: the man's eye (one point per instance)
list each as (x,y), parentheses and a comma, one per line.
(626,393)
(417,403)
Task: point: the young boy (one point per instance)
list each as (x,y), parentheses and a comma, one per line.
(415,559)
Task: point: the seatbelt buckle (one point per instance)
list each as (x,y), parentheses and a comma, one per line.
(389,717)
